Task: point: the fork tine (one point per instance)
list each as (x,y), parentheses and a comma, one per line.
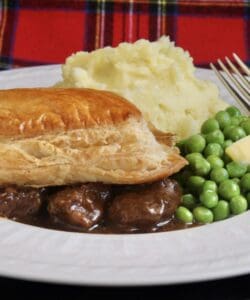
(246,84)
(233,79)
(241,64)
(227,86)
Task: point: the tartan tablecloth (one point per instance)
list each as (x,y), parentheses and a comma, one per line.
(35,32)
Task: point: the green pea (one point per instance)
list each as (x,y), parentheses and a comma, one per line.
(227,131)
(219,174)
(227,143)
(221,211)
(209,185)
(213,149)
(246,126)
(209,199)
(238,204)
(236,180)
(183,214)
(245,182)
(228,189)
(226,158)
(236,169)
(181,145)
(244,118)
(215,161)
(195,143)
(192,157)
(248,199)
(215,137)
(210,125)
(203,215)
(195,183)
(233,111)
(236,133)
(223,119)
(201,167)
(235,121)
(189,201)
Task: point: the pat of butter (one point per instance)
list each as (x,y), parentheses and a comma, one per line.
(240,150)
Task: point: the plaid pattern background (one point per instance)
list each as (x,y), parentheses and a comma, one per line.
(35,32)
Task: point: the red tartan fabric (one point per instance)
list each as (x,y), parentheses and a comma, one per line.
(35,32)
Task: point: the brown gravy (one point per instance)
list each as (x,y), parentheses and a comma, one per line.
(44,221)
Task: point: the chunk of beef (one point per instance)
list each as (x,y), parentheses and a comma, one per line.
(147,206)
(18,202)
(81,205)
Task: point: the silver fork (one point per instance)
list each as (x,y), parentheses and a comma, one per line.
(235,81)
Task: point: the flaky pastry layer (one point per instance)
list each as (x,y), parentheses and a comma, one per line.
(118,147)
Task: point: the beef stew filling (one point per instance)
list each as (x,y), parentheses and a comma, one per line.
(96,207)
(18,202)
(143,208)
(81,205)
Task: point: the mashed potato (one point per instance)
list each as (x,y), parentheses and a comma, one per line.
(156,76)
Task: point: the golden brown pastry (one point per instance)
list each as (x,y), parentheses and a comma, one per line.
(52,136)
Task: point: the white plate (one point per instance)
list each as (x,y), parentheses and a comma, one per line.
(208,252)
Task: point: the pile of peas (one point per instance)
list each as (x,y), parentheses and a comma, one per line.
(214,186)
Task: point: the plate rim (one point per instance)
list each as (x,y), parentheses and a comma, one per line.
(28,275)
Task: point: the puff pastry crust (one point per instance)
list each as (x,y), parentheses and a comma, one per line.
(51,136)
